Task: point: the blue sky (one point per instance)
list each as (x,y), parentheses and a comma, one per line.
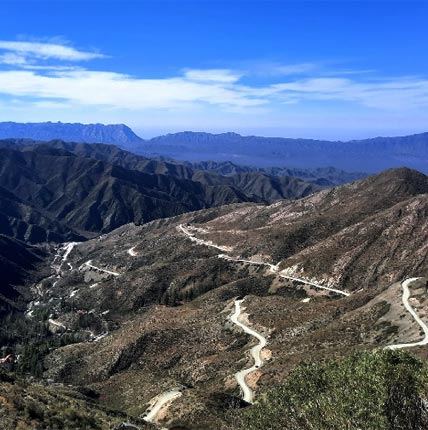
(320,69)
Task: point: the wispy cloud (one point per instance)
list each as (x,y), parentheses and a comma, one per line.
(290,69)
(48,55)
(61,81)
(122,91)
(224,76)
(12,59)
(387,93)
(48,50)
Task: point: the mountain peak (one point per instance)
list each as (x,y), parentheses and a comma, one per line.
(119,134)
(408,180)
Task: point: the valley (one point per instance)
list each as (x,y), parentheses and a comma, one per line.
(213,215)
(197,318)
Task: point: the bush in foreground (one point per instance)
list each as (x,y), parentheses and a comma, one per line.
(382,390)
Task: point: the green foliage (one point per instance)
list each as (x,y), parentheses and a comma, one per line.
(31,339)
(26,406)
(380,390)
(33,354)
(16,328)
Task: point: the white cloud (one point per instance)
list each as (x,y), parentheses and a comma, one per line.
(213,75)
(121,91)
(44,51)
(195,88)
(292,69)
(12,59)
(45,77)
(387,94)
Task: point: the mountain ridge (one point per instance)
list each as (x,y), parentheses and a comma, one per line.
(145,309)
(171,298)
(77,132)
(368,155)
(52,194)
(199,171)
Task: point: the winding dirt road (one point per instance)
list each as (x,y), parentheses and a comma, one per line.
(255,351)
(322,287)
(89,264)
(164,399)
(272,267)
(57,324)
(405,298)
(159,402)
(240,376)
(193,238)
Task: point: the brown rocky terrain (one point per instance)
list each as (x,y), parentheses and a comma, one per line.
(150,308)
(366,233)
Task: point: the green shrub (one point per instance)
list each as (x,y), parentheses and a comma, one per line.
(380,390)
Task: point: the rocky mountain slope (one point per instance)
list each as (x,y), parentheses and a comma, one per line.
(150,306)
(348,236)
(27,406)
(18,264)
(323,176)
(51,194)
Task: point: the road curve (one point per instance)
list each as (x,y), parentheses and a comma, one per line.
(57,324)
(159,402)
(273,268)
(131,251)
(240,376)
(313,284)
(193,238)
(89,264)
(405,298)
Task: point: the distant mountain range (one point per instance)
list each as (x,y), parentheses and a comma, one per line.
(369,155)
(323,176)
(118,134)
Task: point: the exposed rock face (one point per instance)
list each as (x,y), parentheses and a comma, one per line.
(354,236)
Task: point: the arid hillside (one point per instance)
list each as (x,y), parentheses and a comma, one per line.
(147,309)
(368,233)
